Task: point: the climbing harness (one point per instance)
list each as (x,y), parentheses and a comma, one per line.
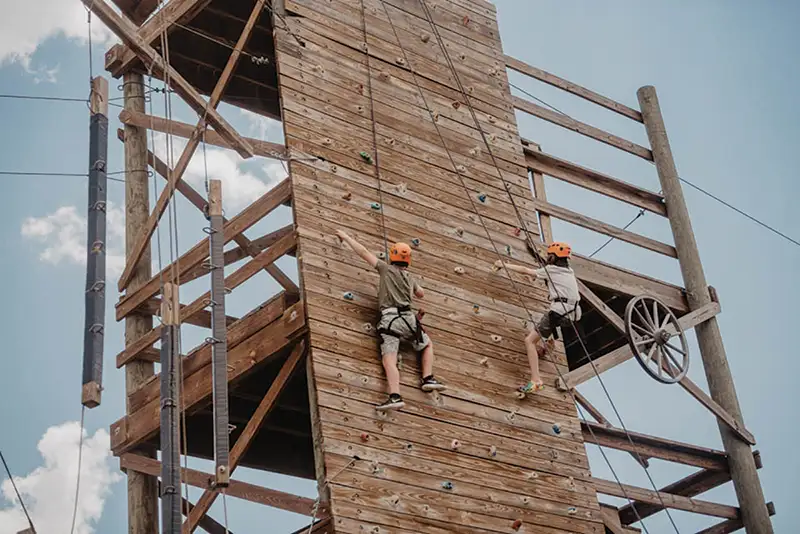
(398,312)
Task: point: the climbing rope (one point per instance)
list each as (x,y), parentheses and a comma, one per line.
(78,483)
(374,129)
(16,491)
(317,501)
(519,217)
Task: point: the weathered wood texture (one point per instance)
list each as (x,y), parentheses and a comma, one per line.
(511,462)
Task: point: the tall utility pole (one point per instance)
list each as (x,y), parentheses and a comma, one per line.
(142,489)
(720,382)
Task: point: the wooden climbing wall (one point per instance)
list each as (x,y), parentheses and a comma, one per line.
(515,460)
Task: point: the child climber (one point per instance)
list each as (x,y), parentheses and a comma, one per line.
(397,323)
(564,305)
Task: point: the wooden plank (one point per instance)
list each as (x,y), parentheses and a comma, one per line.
(592,180)
(191,259)
(690,486)
(126,31)
(120,58)
(261,148)
(232,281)
(132,430)
(703,398)
(676,502)
(595,225)
(582,128)
(575,89)
(238,489)
(245,439)
(601,307)
(624,353)
(732,525)
(645,445)
(201,318)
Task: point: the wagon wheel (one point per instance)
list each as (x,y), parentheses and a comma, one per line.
(652,331)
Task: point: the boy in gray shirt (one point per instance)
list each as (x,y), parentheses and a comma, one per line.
(397,323)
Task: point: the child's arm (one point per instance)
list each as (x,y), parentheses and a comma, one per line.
(418,291)
(516,268)
(359,249)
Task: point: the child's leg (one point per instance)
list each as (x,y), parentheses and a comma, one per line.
(427,360)
(392,372)
(533,346)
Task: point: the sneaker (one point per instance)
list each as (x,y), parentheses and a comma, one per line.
(394,402)
(431,384)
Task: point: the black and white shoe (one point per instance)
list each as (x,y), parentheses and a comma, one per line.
(394,402)
(429,383)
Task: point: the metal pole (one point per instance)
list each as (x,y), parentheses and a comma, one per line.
(170,412)
(142,489)
(95,294)
(720,382)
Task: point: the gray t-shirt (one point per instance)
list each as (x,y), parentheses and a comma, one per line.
(396,287)
(561,282)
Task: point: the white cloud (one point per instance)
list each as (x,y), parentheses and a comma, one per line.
(48,491)
(63,234)
(262,127)
(240,187)
(26,25)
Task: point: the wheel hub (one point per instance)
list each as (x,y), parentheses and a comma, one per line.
(661,337)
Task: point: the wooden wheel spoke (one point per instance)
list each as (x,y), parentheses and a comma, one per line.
(660,361)
(650,325)
(655,314)
(650,354)
(676,349)
(645,322)
(665,322)
(649,319)
(644,331)
(640,342)
(671,358)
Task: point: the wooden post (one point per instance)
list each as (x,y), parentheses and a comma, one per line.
(720,382)
(95,294)
(142,489)
(170,412)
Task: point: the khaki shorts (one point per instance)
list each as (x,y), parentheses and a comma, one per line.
(400,328)
(552,320)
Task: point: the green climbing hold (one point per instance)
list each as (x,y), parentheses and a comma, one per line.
(447,485)
(376,206)
(366,156)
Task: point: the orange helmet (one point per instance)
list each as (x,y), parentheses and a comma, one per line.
(560,250)
(400,252)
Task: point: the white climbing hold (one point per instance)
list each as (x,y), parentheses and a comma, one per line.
(532,475)
(554,454)
(425,37)
(492,119)
(334,169)
(492,71)
(572,510)
(492,137)
(402,188)
(462,57)
(461,168)
(390,141)
(455,444)
(496,338)
(365,47)
(460,231)
(492,451)
(485,362)
(400,61)
(474,151)
(436,116)
(459,270)
(327,141)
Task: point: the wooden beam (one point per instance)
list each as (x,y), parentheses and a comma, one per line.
(654,447)
(137,10)
(581,128)
(240,490)
(624,353)
(132,430)
(244,243)
(607,487)
(596,225)
(690,486)
(721,413)
(540,193)
(610,516)
(575,89)
(120,58)
(602,308)
(318,527)
(733,525)
(201,318)
(594,181)
(207,523)
(181,129)
(232,281)
(194,257)
(245,439)
(126,31)
(194,141)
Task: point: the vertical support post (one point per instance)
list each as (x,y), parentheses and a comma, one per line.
(142,489)
(170,412)
(720,382)
(95,294)
(219,344)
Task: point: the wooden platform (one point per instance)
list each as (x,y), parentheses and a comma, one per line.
(509,464)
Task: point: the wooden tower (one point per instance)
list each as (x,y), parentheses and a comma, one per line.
(399,125)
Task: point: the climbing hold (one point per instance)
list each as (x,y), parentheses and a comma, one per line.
(317,68)
(436,116)
(348,296)
(447,485)
(364,47)
(376,468)
(384,76)
(492,119)
(456,104)
(381,255)
(347,196)
(470,89)
(400,61)
(360,109)
(476,308)
(517,524)
(556,429)
(492,71)
(466,20)
(533,475)
(416,242)
(361,87)
(492,451)
(376,206)
(293,316)
(367,327)
(365,156)
(496,338)
(460,231)
(402,188)
(485,362)
(462,56)
(554,455)
(425,37)
(327,141)
(572,510)
(334,169)
(492,137)
(455,444)
(482,197)
(459,270)
(390,141)
(509,250)
(517,231)
(364,437)
(461,168)
(474,151)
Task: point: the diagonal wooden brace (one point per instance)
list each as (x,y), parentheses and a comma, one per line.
(249,432)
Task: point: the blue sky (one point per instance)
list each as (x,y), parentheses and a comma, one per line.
(726,74)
